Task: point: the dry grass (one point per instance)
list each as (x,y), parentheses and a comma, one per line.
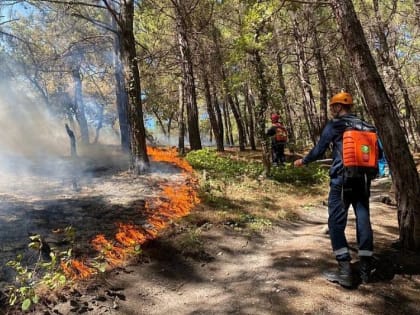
(250,201)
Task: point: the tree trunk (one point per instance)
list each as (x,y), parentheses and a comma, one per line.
(389,63)
(309,107)
(323,99)
(239,123)
(181,122)
(159,121)
(261,109)
(121,96)
(79,105)
(227,91)
(250,103)
(228,125)
(417,9)
(209,103)
(100,124)
(243,115)
(73,152)
(286,104)
(219,118)
(140,160)
(188,75)
(404,173)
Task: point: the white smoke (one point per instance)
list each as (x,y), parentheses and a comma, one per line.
(28,133)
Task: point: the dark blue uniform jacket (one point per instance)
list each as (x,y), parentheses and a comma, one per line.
(332,133)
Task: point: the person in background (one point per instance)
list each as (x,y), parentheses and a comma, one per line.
(343,192)
(278,134)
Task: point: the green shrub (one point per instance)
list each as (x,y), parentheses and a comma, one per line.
(229,169)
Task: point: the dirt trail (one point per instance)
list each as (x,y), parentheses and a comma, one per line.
(274,272)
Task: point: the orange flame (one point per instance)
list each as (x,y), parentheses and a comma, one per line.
(175,202)
(114,255)
(76,269)
(129,235)
(169,155)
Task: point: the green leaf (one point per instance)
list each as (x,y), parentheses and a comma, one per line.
(35,299)
(13,299)
(62,279)
(35,237)
(26,304)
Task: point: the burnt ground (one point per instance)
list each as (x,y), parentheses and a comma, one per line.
(274,271)
(90,198)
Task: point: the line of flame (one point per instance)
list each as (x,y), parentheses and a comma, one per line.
(169,155)
(77,269)
(175,202)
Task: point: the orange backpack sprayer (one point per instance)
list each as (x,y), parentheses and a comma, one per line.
(360,149)
(281,133)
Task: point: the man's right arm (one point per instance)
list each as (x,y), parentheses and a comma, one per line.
(322,145)
(319,149)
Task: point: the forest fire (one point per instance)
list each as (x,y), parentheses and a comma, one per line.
(175,202)
(169,155)
(75,269)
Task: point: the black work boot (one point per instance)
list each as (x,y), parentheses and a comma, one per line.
(365,268)
(342,276)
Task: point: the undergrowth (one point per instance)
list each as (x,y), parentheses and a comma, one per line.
(226,168)
(236,194)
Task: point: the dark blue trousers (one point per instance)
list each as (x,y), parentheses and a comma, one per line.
(342,194)
(277,150)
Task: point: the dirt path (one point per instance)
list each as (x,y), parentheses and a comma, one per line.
(274,272)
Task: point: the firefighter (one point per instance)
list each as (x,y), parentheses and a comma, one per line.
(278,134)
(343,192)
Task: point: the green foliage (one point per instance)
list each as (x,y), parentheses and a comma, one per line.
(310,174)
(229,169)
(221,167)
(44,273)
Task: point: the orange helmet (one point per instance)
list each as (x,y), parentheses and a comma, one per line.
(275,118)
(343,98)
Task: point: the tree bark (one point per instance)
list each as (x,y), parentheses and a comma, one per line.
(323,99)
(140,160)
(404,173)
(181,121)
(250,104)
(100,123)
(219,117)
(309,107)
(79,105)
(261,109)
(286,105)
(209,103)
(388,61)
(417,9)
(228,125)
(121,96)
(227,91)
(188,75)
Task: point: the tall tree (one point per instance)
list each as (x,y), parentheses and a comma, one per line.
(404,172)
(309,108)
(120,91)
(182,16)
(124,18)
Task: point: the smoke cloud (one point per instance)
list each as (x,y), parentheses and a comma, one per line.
(29,135)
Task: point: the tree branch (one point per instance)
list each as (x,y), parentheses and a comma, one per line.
(72,2)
